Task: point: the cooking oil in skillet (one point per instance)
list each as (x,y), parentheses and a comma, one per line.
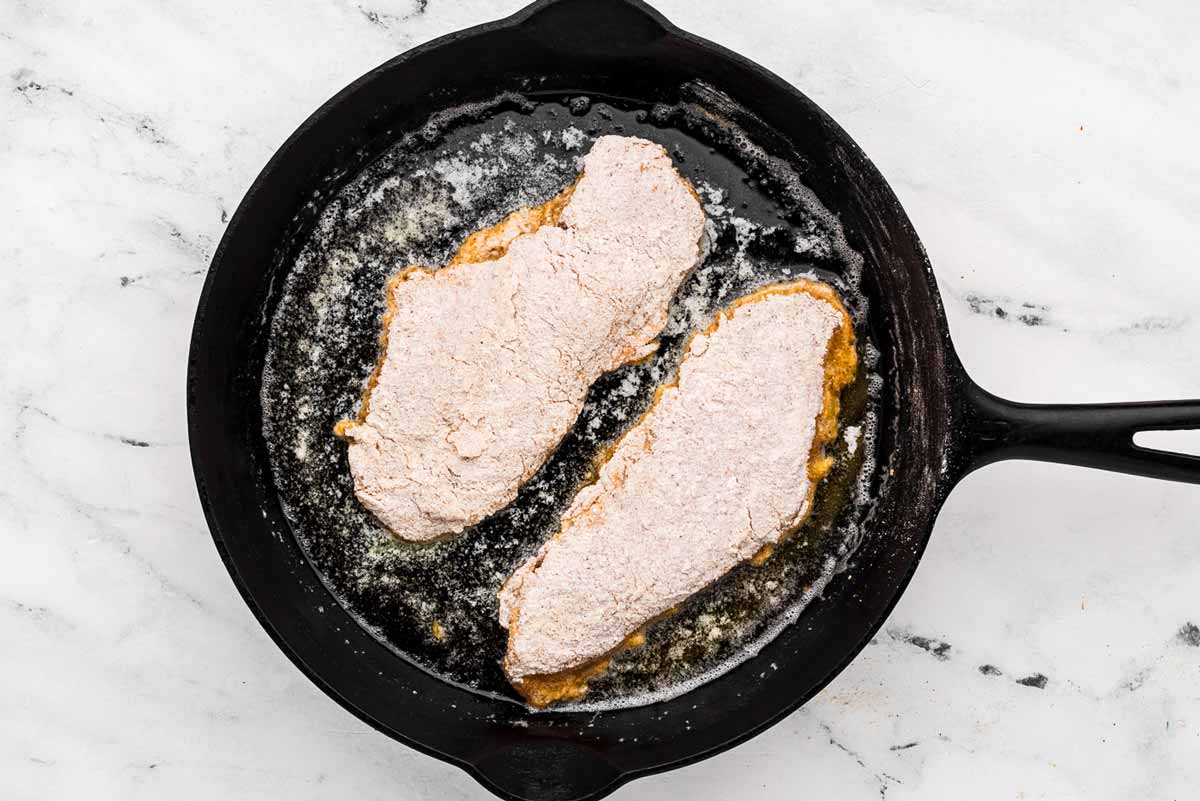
(436,604)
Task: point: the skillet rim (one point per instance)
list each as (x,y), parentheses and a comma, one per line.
(281,157)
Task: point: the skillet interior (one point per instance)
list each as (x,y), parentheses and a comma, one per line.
(573,47)
(416,203)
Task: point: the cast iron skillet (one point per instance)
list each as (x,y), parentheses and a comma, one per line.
(936,425)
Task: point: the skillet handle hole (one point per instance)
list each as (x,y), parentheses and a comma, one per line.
(1182,441)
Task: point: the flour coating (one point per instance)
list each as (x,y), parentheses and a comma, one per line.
(720,468)
(488,360)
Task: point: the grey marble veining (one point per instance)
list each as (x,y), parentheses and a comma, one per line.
(1046,152)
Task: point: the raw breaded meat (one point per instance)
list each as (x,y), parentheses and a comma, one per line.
(720,468)
(486,362)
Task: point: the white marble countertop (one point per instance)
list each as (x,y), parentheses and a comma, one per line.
(1047,154)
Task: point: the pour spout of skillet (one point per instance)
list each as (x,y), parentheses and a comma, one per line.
(547,771)
(593,26)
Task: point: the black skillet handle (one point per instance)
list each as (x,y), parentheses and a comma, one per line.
(547,770)
(1088,435)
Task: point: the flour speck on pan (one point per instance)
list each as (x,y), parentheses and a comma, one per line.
(465,170)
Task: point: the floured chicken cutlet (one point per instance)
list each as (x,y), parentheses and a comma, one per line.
(722,466)
(486,362)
